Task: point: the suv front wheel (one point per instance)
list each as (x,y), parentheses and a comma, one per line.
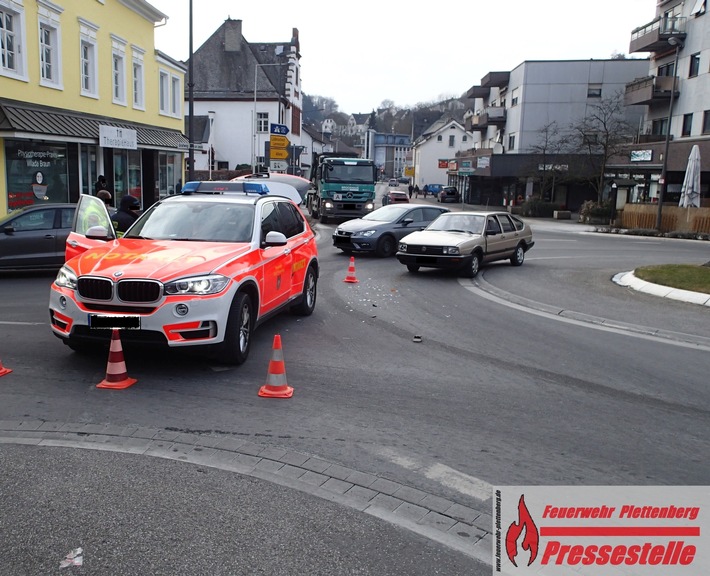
(240,324)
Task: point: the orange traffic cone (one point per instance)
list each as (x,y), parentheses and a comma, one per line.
(351,271)
(276,386)
(116,375)
(4,370)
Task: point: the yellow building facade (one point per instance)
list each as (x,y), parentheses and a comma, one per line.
(84,93)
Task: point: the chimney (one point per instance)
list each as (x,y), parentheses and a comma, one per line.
(232,35)
(294,40)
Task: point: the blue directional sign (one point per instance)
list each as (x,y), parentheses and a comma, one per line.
(279,129)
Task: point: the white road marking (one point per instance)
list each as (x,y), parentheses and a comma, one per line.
(23,323)
(593,326)
(445,475)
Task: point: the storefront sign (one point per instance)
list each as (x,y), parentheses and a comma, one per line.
(443,163)
(641,155)
(113,137)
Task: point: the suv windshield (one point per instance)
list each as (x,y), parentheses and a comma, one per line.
(196,221)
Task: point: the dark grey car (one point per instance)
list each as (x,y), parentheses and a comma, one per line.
(34,237)
(381,230)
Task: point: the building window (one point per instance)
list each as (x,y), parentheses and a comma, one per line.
(594,91)
(452,140)
(176,97)
(511,142)
(262,122)
(138,98)
(89,59)
(118,69)
(514,97)
(11,36)
(659,127)
(687,124)
(119,84)
(464,138)
(706,122)
(138,81)
(164,92)
(666,69)
(694,69)
(439,138)
(48,54)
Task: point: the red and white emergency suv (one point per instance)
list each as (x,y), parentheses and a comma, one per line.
(195,270)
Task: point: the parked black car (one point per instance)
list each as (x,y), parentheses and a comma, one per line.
(34,237)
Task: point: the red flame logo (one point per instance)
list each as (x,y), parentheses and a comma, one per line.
(532,538)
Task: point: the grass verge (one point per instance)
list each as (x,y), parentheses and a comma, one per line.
(683,276)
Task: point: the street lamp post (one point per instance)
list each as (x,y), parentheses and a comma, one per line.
(254,144)
(190,111)
(678,43)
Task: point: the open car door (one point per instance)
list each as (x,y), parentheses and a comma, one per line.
(91,227)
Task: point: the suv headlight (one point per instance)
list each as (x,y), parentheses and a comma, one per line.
(200,285)
(451,250)
(66,278)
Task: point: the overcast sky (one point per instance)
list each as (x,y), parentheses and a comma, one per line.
(363,52)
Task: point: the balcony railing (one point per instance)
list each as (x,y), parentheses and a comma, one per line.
(492,116)
(650,90)
(653,37)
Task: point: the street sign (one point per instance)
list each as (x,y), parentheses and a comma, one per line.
(278,165)
(279,141)
(278,154)
(279,129)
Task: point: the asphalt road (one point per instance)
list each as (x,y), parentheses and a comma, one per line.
(382,460)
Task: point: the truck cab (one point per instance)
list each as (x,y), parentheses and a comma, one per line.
(343,187)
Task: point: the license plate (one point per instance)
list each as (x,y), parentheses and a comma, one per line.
(109,322)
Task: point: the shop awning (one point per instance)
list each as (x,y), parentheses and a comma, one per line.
(45,121)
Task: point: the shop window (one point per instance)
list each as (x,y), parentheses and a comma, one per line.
(12,36)
(29,181)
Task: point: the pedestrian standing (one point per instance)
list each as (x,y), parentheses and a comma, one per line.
(411,191)
(416,190)
(426,189)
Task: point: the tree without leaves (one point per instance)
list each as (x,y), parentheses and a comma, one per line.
(551,143)
(600,135)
